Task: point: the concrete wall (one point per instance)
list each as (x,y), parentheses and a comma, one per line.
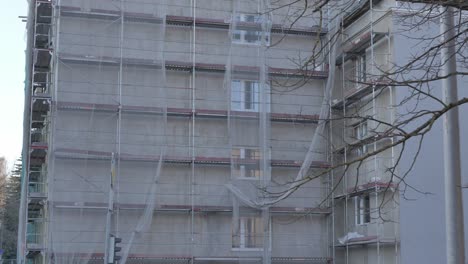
(423,216)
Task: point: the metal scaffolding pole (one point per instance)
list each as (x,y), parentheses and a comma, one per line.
(110,212)
(453,192)
(26,135)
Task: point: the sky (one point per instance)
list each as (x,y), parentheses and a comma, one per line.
(12,46)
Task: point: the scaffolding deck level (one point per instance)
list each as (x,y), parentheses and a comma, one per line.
(186,112)
(368,240)
(189,66)
(37,195)
(202,259)
(34,247)
(356,12)
(185,21)
(355,95)
(102,155)
(360,142)
(357,45)
(369,187)
(188,208)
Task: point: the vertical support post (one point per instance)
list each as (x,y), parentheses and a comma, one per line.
(451,133)
(345,153)
(266,257)
(110,210)
(192,139)
(379,224)
(22,218)
(119,111)
(392,121)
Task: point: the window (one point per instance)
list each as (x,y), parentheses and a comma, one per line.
(250,34)
(362,209)
(246,163)
(360,130)
(247,233)
(360,133)
(361,75)
(245,95)
(362,149)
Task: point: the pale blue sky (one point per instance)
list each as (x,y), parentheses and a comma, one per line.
(12,46)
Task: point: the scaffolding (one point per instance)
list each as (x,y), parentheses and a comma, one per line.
(365,196)
(181,127)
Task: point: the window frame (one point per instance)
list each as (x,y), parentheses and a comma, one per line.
(239,98)
(360,132)
(363,149)
(243,33)
(362,213)
(361,69)
(244,236)
(244,170)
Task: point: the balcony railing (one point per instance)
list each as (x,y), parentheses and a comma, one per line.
(34,234)
(37,190)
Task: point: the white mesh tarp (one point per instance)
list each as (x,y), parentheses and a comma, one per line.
(209,118)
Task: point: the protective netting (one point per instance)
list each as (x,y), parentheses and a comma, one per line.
(247,87)
(195,118)
(110,101)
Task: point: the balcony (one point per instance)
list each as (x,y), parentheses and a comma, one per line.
(370,187)
(43,11)
(357,10)
(42,36)
(37,191)
(34,236)
(353,96)
(41,82)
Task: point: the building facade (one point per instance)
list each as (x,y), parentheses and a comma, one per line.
(183,126)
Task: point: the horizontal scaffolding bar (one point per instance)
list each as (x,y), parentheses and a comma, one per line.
(357,11)
(367,188)
(358,44)
(171,111)
(355,95)
(185,21)
(185,258)
(92,154)
(187,208)
(368,240)
(360,142)
(188,66)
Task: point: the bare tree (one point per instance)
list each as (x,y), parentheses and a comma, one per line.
(416,77)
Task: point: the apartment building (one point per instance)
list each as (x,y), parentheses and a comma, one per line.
(182,126)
